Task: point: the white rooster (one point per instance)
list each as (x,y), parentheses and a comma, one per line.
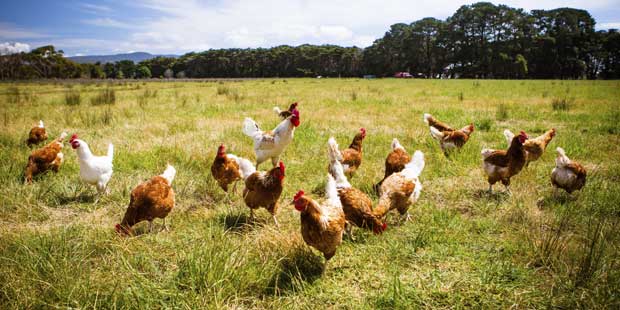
(94,170)
(270,144)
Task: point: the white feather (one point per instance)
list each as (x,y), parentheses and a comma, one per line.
(508,135)
(111,151)
(486,152)
(333,150)
(169,174)
(562,160)
(396,145)
(427,117)
(245,166)
(436,134)
(94,170)
(414,168)
(250,127)
(41,124)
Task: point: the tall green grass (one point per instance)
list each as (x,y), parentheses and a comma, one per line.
(462,249)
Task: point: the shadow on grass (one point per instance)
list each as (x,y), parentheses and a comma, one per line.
(496,196)
(237,222)
(79,198)
(299,267)
(561,198)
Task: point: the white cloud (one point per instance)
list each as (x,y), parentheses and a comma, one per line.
(12,32)
(605,26)
(8,48)
(106,22)
(95,8)
(192,24)
(196,25)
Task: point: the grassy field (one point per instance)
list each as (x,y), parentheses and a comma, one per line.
(462,249)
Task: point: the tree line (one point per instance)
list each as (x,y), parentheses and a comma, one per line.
(481,40)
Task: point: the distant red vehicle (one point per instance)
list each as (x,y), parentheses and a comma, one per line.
(404,75)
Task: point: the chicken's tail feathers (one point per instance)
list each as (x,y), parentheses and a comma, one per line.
(414,168)
(277,110)
(169,173)
(333,151)
(508,135)
(562,160)
(245,167)
(331,191)
(486,152)
(427,118)
(250,127)
(396,144)
(337,171)
(436,134)
(111,151)
(41,124)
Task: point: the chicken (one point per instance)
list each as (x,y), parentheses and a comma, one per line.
(356,205)
(448,138)
(322,226)
(351,157)
(225,169)
(500,165)
(94,170)
(286,113)
(401,189)
(535,147)
(37,134)
(395,161)
(49,157)
(271,144)
(262,188)
(567,174)
(149,200)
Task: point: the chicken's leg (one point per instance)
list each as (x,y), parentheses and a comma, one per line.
(490,189)
(348,228)
(150,226)
(165,226)
(275,160)
(405,217)
(275,220)
(252,215)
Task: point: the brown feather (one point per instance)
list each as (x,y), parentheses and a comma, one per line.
(149,200)
(358,208)
(326,238)
(263,190)
(225,171)
(44,159)
(36,136)
(439,125)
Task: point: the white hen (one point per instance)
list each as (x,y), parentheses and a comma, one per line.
(94,170)
(270,144)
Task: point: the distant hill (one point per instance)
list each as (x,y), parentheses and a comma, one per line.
(135,57)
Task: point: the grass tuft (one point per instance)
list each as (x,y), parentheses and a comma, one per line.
(104,97)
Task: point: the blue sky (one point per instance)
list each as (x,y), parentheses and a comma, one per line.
(176,27)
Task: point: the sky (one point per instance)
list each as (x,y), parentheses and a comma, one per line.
(84,27)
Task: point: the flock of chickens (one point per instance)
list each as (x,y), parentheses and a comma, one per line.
(322,223)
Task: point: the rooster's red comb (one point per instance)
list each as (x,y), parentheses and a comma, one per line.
(298,195)
(281,165)
(295,112)
(363,131)
(73,137)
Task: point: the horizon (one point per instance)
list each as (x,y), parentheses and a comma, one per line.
(86,28)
